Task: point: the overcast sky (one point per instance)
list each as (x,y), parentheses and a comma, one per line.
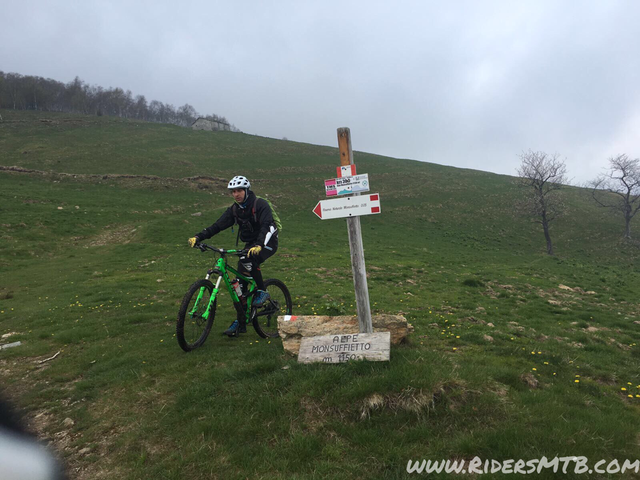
(465,83)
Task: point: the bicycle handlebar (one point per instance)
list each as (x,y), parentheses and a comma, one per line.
(204,247)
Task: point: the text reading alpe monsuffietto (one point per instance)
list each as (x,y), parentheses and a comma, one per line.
(342,343)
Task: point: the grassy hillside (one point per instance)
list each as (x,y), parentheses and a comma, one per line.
(505,361)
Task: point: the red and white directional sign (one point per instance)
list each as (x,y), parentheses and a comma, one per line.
(348,207)
(347,185)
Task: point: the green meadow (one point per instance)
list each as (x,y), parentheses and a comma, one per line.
(515,354)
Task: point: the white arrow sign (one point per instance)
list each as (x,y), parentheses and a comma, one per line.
(348,207)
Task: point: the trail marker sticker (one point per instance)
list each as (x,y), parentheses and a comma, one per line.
(347,185)
(346,171)
(344,347)
(348,207)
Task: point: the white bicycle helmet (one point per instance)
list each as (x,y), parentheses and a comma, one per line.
(239,182)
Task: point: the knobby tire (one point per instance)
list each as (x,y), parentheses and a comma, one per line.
(191,328)
(265,318)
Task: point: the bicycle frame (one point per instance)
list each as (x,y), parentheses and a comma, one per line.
(222,270)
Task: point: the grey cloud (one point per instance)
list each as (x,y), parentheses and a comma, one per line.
(462,83)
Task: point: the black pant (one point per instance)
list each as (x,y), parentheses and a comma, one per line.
(250,266)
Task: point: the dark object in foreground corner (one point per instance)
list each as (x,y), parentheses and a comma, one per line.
(22,457)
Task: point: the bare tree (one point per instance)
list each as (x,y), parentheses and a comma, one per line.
(186,115)
(541,176)
(141,110)
(619,189)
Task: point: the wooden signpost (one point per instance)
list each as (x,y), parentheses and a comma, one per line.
(355,240)
(367,345)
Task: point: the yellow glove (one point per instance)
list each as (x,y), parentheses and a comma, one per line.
(255,251)
(192,241)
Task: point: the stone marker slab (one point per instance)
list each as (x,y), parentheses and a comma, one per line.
(345,347)
(293,328)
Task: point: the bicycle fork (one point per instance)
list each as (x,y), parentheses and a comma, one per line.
(214,294)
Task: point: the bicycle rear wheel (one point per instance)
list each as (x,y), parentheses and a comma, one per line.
(192,328)
(265,318)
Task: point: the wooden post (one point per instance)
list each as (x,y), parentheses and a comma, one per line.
(355,244)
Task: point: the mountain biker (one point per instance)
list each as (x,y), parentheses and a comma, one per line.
(257,229)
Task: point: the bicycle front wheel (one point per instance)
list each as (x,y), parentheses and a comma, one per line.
(265,318)
(192,327)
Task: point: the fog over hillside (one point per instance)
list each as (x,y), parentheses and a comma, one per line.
(464,83)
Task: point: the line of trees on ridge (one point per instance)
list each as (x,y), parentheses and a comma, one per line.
(25,92)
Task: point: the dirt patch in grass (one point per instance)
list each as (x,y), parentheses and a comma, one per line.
(613,341)
(5,294)
(114,235)
(417,401)
(314,413)
(501,390)
(200,181)
(530,380)
(410,400)
(473,320)
(596,329)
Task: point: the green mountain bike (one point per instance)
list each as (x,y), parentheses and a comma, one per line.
(198,309)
